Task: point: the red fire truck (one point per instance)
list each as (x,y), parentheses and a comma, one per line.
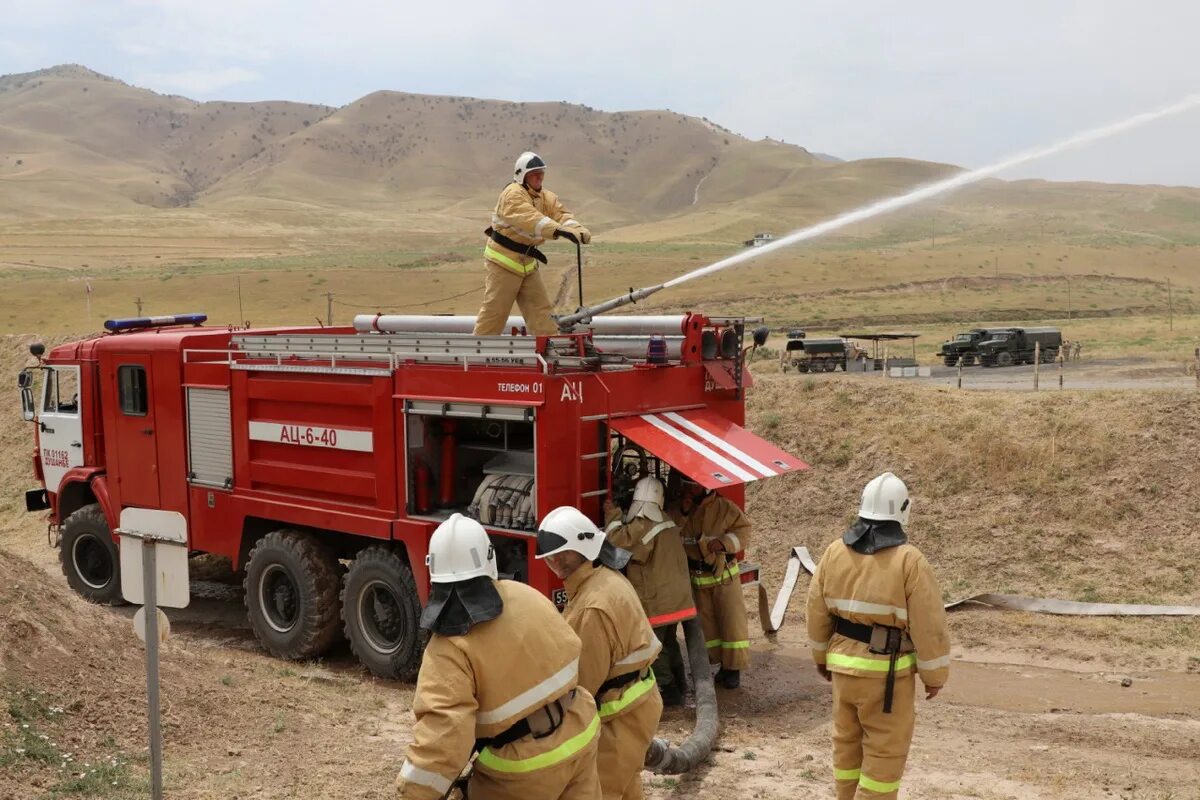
(320,460)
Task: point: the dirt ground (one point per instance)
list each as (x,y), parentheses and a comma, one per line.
(1079,495)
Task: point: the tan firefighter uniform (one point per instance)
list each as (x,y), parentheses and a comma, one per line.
(894,587)
(524,664)
(618,648)
(526,218)
(658,567)
(716,579)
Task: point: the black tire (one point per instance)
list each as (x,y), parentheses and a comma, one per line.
(968,361)
(381,612)
(292,594)
(89,556)
(1004,359)
(950,362)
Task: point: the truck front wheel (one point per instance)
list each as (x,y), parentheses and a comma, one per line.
(89,556)
(382,612)
(1004,359)
(292,594)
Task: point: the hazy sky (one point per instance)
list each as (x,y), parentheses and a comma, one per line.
(964,81)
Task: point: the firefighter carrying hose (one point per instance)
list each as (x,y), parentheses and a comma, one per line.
(715,531)
(875,615)
(526,215)
(618,645)
(498,678)
(658,570)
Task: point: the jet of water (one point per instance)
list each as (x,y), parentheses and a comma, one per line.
(940,187)
(891,204)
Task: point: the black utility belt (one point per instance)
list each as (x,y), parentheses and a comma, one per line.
(700,566)
(555,711)
(622,680)
(879,639)
(515,246)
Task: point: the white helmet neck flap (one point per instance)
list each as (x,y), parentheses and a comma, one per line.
(648,497)
(886,498)
(527,162)
(460,550)
(567,528)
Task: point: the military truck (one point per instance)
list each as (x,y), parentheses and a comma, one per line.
(812,355)
(966,345)
(1016,346)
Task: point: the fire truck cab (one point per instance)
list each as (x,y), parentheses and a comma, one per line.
(320,460)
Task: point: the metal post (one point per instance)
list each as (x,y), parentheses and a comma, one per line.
(1037,363)
(960,365)
(139,305)
(579,270)
(329,309)
(150,589)
(1061,362)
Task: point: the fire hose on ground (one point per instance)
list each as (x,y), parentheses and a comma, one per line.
(668,759)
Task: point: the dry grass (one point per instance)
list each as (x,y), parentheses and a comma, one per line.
(1081,496)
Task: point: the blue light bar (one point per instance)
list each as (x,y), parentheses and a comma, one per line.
(134,323)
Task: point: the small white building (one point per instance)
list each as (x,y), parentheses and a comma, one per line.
(759,240)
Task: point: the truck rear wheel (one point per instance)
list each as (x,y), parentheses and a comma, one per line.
(292,594)
(89,556)
(1004,359)
(382,612)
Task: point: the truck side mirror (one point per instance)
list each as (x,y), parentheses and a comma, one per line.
(27,408)
(25,379)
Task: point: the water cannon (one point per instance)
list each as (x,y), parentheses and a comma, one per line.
(140,323)
(585,314)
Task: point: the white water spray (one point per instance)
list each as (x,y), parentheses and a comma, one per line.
(941,187)
(889,205)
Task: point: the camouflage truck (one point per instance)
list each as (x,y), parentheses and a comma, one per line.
(966,345)
(1016,346)
(813,355)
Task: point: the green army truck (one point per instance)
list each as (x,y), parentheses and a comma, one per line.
(813,355)
(1017,345)
(966,345)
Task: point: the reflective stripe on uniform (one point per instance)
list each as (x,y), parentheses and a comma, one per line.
(542,223)
(414,774)
(861,607)
(742,645)
(936,663)
(728,574)
(646,653)
(632,693)
(868,664)
(674,616)
(612,526)
(538,695)
(881,787)
(819,646)
(548,759)
(711,643)
(656,530)
(737,543)
(497,257)
(846,774)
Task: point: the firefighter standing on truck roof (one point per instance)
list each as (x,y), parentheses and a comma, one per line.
(874,615)
(526,215)
(658,571)
(618,644)
(714,532)
(498,677)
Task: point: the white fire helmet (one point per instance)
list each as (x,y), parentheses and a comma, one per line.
(527,162)
(460,550)
(648,496)
(567,528)
(886,498)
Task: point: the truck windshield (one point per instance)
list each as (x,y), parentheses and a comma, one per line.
(963,337)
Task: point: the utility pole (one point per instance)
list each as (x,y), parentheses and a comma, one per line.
(329,309)
(1170,308)
(139,305)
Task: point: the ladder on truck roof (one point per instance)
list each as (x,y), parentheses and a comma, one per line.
(394,349)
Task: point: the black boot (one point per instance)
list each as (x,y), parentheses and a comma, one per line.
(671,695)
(730,678)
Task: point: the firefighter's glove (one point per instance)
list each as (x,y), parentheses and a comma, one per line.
(563,233)
(585,236)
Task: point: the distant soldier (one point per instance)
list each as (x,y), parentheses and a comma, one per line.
(1078,347)
(1065,350)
